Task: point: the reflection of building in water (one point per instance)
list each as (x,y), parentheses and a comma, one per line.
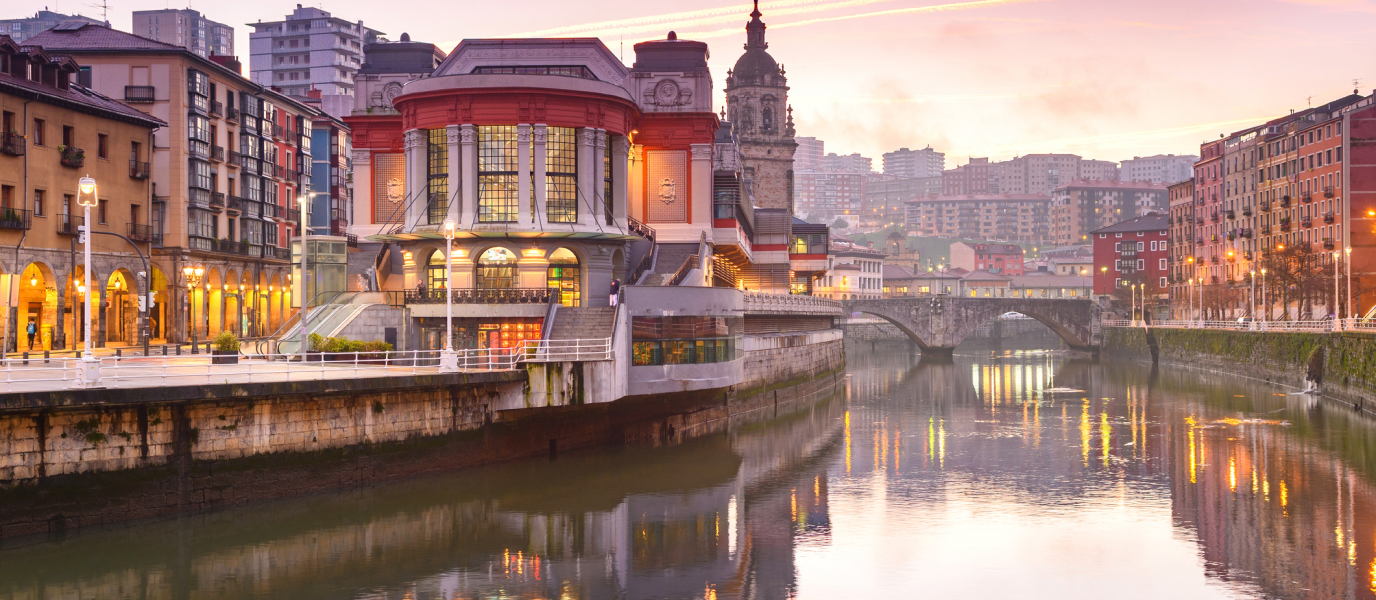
(1268,508)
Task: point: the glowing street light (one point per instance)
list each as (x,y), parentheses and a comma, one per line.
(87,197)
(449,361)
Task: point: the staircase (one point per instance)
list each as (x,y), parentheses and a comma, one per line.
(585,323)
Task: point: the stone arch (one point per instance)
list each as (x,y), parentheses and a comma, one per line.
(160,315)
(943,322)
(485,261)
(233,303)
(901,325)
(38,301)
(276,311)
(122,309)
(567,271)
(214,302)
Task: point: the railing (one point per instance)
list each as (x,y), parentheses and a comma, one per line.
(279,253)
(69,224)
(232,247)
(684,269)
(138,94)
(235,159)
(641,268)
(217,153)
(1248,324)
(73,157)
(234,203)
(14,218)
(277,131)
(475,296)
(1328,217)
(759,302)
(142,233)
(217,108)
(217,199)
(640,229)
(139,170)
(231,113)
(1328,192)
(12,144)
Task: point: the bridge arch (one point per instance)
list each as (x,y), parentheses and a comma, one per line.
(942,322)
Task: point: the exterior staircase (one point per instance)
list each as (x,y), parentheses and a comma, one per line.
(583,323)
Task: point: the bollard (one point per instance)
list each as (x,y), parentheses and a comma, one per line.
(179,349)
(45,356)
(164,349)
(119,352)
(26,359)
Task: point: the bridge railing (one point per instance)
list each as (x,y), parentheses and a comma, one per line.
(799,304)
(1315,326)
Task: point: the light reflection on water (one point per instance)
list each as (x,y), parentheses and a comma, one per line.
(969,480)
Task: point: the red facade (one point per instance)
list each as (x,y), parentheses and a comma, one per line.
(1132,252)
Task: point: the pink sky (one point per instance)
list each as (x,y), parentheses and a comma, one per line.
(1104,79)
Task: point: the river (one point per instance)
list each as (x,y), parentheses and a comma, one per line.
(963,480)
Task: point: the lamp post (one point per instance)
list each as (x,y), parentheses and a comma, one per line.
(1266,311)
(193,278)
(1252,296)
(87,197)
(1337,314)
(303,202)
(449,360)
(1134,303)
(1347,266)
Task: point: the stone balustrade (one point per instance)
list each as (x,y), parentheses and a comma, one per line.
(793,304)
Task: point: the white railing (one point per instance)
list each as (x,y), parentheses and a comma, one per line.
(759,302)
(38,374)
(1314,326)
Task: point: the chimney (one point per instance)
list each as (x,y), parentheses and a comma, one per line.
(313,93)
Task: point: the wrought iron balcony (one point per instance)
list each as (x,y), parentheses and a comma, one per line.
(1213,218)
(14,218)
(479,296)
(1328,218)
(231,113)
(143,233)
(139,170)
(134,94)
(1328,192)
(1265,206)
(217,109)
(69,224)
(217,153)
(1230,215)
(1246,211)
(12,144)
(1285,226)
(217,199)
(1328,244)
(73,157)
(1285,202)
(1306,223)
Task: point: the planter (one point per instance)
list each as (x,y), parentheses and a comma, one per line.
(224,357)
(363,358)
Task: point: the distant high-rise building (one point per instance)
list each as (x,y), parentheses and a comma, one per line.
(23,29)
(1079,207)
(1042,173)
(975,177)
(1162,168)
(1099,170)
(850,163)
(309,50)
(808,157)
(914,163)
(185,28)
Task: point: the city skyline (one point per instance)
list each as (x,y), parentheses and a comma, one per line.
(990,78)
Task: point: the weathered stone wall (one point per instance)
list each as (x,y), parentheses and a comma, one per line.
(1346,362)
(786,359)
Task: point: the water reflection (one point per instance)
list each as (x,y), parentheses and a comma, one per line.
(1008,473)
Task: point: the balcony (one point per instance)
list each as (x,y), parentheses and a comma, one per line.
(139,170)
(1265,229)
(1328,244)
(14,218)
(1246,211)
(1306,223)
(1265,206)
(1199,220)
(277,131)
(478,296)
(279,253)
(1247,255)
(144,233)
(235,204)
(1230,215)
(1213,259)
(217,199)
(1245,234)
(217,109)
(136,94)
(1285,202)
(12,144)
(217,153)
(231,113)
(69,224)
(1328,192)
(272,211)
(1307,197)
(1213,218)
(1285,226)
(73,157)
(1199,241)
(1328,218)
(235,159)
(232,247)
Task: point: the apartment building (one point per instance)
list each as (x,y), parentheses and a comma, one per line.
(1132,252)
(1180,240)
(829,194)
(54,132)
(1000,259)
(1004,217)
(886,198)
(808,156)
(914,163)
(226,172)
(978,176)
(186,28)
(1081,207)
(20,30)
(849,163)
(1161,168)
(310,49)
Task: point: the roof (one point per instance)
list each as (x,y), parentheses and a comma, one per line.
(1108,183)
(982,275)
(993,247)
(1052,280)
(79,98)
(896,272)
(982,198)
(1152,222)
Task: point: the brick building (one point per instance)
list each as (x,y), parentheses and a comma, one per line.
(1083,206)
(1000,259)
(1180,240)
(1132,252)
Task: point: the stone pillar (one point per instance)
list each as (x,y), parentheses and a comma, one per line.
(60,323)
(541,156)
(621,185)
(417,190)
(700,174)
(598,176)
(100,295)
(364,190)
(523,183)
(587,202)
(468,176)
(455,168)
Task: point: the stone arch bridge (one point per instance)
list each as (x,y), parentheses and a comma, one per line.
(939,323)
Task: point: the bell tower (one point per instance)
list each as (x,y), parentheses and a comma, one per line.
(757,106)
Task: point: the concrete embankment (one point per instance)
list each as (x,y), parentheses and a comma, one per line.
(83,458)
(1343,364)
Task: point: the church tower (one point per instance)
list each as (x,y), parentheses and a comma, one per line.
(757,106)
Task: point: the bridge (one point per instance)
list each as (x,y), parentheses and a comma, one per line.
(937,324)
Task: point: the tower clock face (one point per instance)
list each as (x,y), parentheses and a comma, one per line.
(666,92)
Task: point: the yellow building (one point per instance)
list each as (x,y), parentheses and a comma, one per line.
(53,132)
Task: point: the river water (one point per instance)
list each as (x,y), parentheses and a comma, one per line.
(964,480)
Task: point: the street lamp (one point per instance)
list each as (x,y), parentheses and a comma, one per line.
(1347,266)
(87,197)
(303,202)
(193,278)
(449,362)
(1252,296)
(1337,314)
(1266,313)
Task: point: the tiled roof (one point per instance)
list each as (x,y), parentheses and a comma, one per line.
(79,98)
(982,275)
(95,37)
(896,272)
(1052,281)
(1153,222)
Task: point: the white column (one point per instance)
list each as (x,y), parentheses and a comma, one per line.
(541,135)
(599,154)
(468,176)
(635,183)
(700,173)
(455,167)
(523,174)
(364,215)
(586,202)
(621,185)
(416,173)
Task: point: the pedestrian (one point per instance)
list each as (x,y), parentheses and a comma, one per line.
(616,287)
(32,330)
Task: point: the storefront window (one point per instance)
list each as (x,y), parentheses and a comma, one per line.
(496,269)
(563,276)
(436,277)
(684,340)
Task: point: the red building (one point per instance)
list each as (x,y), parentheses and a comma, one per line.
(1134,251)
(1001,259)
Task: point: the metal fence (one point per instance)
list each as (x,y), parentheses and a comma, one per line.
(1318,326)
(45,374)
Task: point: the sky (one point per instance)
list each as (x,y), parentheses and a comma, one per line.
(1104,79)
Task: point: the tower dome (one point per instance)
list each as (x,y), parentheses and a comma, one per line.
(756,65)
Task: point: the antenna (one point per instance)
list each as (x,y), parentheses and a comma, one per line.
(104,7)
(1356,85)
(1309,100)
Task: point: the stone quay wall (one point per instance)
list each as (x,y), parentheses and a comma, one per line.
(785,359)
(1343,364)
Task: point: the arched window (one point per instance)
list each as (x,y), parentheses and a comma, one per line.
(563,277)
(767,119)
(496,269)
(436,277)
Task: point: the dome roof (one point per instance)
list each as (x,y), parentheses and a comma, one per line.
(754,65)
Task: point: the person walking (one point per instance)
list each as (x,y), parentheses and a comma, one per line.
(32,330)
(616,287)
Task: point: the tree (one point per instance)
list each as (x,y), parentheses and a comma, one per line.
(839,223)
